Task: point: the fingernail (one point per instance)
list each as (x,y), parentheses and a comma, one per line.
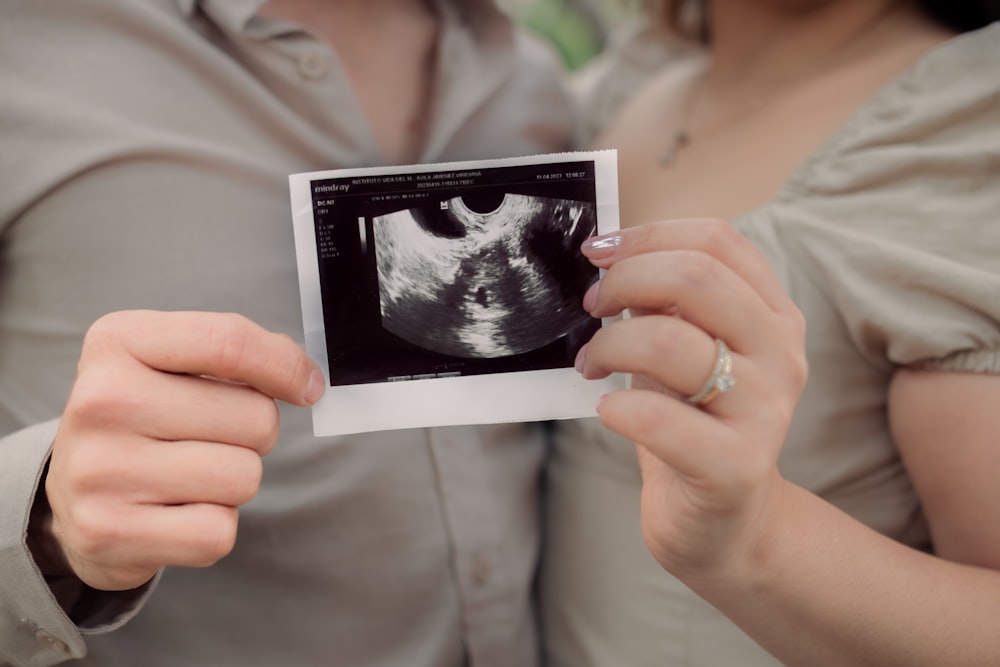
(600,402)
(580,356)
(317,385)
(597,247)
(590,298)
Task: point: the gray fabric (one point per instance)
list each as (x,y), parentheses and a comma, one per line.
(144,162)
(888,239)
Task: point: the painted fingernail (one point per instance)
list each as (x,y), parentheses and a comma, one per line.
(317,385)
(590,298)
(580,357)
(597,247)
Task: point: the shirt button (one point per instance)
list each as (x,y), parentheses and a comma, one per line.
(313,65)
(481,570)
(45,639)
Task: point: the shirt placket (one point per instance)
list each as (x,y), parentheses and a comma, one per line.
(469,500)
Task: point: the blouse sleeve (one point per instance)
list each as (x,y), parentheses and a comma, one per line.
(897,218)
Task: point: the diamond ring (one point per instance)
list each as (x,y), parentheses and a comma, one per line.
(721,379)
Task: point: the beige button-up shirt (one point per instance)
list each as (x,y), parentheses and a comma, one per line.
(144,154)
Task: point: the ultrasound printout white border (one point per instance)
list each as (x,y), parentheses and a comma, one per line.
(536,395)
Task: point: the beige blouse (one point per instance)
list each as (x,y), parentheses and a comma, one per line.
(888,239)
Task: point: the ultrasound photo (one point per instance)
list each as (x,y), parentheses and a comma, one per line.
(484,275)
(452,293)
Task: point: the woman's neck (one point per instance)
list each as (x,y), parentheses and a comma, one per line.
(763,43)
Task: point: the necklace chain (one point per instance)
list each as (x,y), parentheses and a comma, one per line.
(679,142)
(682,136)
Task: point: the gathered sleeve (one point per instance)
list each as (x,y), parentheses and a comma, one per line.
(897,218)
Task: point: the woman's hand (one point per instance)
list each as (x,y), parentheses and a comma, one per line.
(710,481)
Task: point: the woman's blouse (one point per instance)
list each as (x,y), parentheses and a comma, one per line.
(888,240)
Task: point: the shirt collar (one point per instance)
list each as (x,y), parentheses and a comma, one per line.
(481,15)
(231,15)
(475,57)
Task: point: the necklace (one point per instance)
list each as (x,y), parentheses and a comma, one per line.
(681,137)
(679,141)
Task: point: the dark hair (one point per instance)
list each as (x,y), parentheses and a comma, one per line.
(957,15)
(962,16)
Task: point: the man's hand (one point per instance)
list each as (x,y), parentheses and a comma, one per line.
(162,438)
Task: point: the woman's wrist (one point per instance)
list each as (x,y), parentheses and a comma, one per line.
(754,562)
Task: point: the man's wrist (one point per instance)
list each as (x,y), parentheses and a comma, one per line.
(42,543)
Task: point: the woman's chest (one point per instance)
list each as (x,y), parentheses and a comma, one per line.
(723,170)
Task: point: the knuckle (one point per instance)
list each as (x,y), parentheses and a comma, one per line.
(781,409)
(107,332)
(694,269)
(800,362)
(799,372)
(780,416)
(105,327)
(100,398)
(244,476)
(719,234)
(795,363)
(220,539)
(98,342)
(92,530)
(83,472)
(797,324)
(262,423)
(230,341)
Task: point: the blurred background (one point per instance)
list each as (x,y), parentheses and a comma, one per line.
(578,29)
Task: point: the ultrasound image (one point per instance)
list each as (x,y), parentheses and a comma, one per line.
(484,275)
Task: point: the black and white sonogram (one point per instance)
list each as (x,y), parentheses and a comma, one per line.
(484,275)
(452,293)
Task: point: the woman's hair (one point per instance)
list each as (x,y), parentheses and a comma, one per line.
(962,15)
(689,17)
